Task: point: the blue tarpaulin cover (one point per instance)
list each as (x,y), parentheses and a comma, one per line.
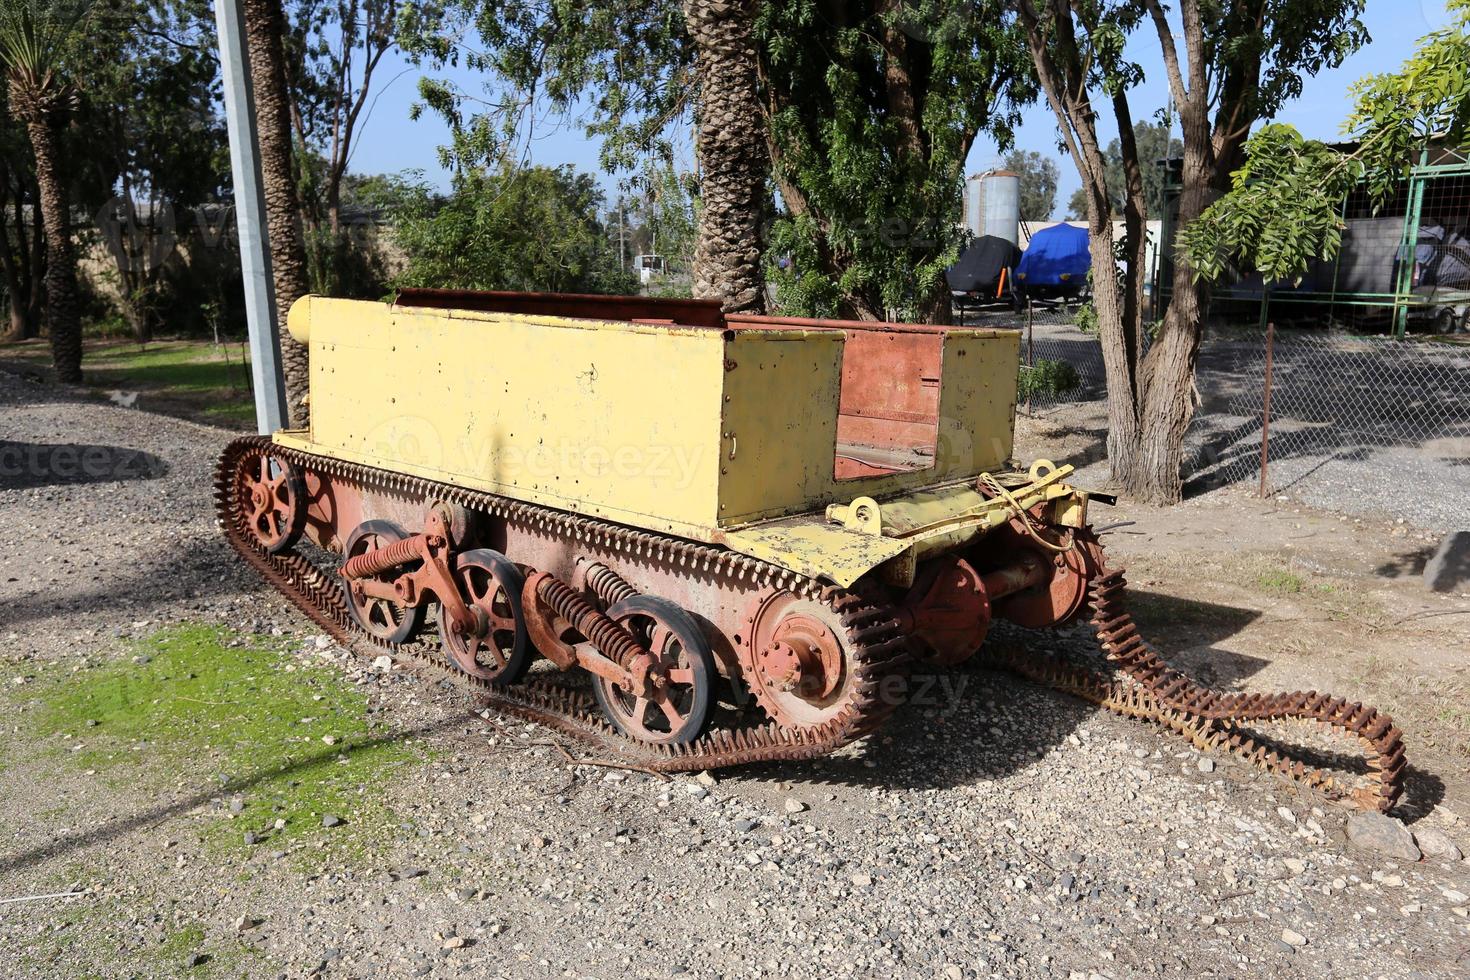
(1055,256)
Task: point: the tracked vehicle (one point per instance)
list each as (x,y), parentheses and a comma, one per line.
(629,517)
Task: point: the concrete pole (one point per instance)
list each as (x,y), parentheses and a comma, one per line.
(250,223)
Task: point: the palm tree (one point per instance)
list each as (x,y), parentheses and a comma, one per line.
(35,38)
(733,156)
(264,29)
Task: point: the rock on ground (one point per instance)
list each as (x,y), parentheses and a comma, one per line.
(1376,832)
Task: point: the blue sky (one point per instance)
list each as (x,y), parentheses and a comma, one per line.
(393,142)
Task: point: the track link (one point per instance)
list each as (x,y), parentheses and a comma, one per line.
(1147,688)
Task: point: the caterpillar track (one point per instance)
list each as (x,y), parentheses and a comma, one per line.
(1145,687)
(1138,683)
(878,645)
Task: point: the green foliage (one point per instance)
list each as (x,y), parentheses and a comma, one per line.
(41,40)
(348,262)
(1154,144)
(521,228)
(1039,177)
(873,113)
(621,71)
(657,213)
(669,214)
(1046,378)
(199,706)
(1085,319)
(1282,211)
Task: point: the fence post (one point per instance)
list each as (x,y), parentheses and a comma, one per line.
(1030,352)
(1266,410)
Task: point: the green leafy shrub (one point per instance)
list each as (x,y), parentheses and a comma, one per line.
(1047,378)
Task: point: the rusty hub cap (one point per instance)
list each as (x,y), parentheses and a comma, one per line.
(674,705)
(1062,596)
(795,659)
(272,495)
(496,647)
(383,618)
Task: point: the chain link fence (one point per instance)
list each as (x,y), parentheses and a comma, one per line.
(1356,424)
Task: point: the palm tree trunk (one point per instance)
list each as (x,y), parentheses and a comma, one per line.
(732,155)
(264,28)
(62,315)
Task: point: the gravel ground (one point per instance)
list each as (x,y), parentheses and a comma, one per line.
(998,830)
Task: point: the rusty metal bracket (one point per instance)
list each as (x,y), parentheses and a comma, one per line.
(432,548)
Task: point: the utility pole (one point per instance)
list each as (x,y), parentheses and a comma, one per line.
(250,222)
(622,242)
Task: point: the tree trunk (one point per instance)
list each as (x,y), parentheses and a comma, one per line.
(14,297)
(732,155)
(264,28)
(1168,396)
(1114,335)
(62,315)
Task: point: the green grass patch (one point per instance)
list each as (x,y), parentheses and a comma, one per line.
(87,933)
(1280,581)
(193,378)
(249,720)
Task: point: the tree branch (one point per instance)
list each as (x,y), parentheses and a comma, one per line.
(1170,51)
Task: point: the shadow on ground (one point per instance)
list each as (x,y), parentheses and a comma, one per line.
(201,569)
(30,465)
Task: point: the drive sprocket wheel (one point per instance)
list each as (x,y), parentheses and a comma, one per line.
(498,650)
(678,713)
(797,659)
(271,494)
(382,618)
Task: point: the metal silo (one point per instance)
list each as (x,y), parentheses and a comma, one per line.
(1001,202)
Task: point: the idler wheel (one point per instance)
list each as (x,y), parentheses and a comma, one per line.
(795,659)
(682,678)
(271,494)
(387,620)
(497,649)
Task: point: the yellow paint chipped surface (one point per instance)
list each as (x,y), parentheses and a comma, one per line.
(717,435)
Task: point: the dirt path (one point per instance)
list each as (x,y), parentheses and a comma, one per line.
(227,794)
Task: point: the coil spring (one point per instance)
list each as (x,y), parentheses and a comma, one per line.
(609,587)
(382,559)
(611,640)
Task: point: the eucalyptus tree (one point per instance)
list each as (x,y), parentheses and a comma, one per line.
(333,52)
(40,48)
(873,108)
(1228,65)
(1038,183)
